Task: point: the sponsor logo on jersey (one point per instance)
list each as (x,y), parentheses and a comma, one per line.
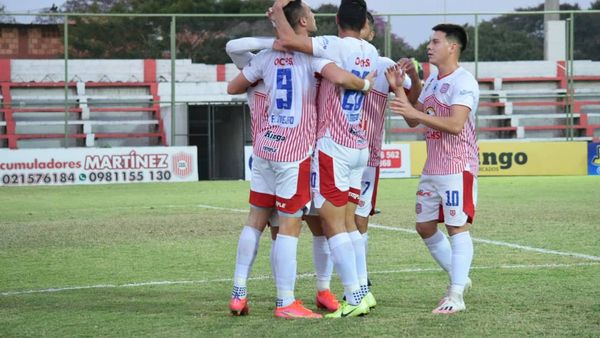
(272,136)
(280,204)
(324,43)
(465,92)
(444,88)
(269,149)
(353,196)
(362,62)
(424,193)
(452,212)
(286,61)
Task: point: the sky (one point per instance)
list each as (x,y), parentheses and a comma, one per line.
(413,29)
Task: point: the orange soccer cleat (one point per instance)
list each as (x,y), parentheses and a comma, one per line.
(295,310)
(239,306)
(327,300)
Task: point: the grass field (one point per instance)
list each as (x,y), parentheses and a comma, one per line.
(156,260)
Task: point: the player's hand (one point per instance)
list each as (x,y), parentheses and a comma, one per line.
(409,67)
(282,3)
(371,77)
(395,77)
(401,106)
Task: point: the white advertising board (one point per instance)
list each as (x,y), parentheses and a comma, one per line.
(97,165)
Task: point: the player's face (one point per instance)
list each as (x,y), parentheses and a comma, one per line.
(367,33)
(438,48)
(311,23)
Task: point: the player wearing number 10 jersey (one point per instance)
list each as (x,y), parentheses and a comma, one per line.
(342,149)
(284,142)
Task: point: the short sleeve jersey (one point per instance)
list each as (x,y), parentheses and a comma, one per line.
(288,134)
(374,110)
(340,110)
(447,153)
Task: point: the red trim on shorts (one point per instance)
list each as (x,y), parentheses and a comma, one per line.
(302,196)
(468,205)
(327,187)
(375,186)
(261,200)
(354,196)
(441,214)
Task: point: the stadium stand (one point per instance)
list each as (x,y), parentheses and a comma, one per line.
(118,102)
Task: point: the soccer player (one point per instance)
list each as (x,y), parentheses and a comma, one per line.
(342,148)
(239,50)
(258,218)
(447,189)
(283,145)
(373,121)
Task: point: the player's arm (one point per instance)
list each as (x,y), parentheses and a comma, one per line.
(343,78)
(287,39)
(415,90)
(239,50)
(238,85)
(395,77)
(452,125)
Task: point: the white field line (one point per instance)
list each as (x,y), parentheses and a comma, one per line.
(499,243)
(480,240)
(300,276)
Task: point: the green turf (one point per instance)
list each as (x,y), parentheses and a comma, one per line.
(60,237)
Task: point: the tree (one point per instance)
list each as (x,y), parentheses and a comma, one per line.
(6,18)
(521,37)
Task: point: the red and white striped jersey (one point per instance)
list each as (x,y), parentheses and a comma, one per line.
(374,110)
(287,131)
(256,95)
(447,153)
(340,110)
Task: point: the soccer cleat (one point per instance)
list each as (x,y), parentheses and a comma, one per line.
(239,306)
(468,286)
(295,310)
(451,304)
(348,310)
(370,300)
(326,300)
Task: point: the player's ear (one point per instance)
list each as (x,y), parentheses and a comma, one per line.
(303,21)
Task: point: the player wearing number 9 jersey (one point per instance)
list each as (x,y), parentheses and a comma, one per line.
(342,149)
(283,145)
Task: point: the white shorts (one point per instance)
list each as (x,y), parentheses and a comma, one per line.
(449,199)
(284,185)
(368,193)
(336,173)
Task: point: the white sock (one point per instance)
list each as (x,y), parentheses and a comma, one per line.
(246,253)
(361,257)
(272,257)
(440,249)
(285,265)
(462,256)
(322,261)
(342,254)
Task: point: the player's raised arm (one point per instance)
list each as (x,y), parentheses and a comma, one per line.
(238,85)
(415,90)
(239,50)
(287,39)
(343,78)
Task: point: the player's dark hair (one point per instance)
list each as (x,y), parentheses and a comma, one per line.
(371,20)
(454,32)
(352,15)
(293,12)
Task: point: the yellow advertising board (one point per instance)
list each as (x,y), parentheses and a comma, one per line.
(519,158)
